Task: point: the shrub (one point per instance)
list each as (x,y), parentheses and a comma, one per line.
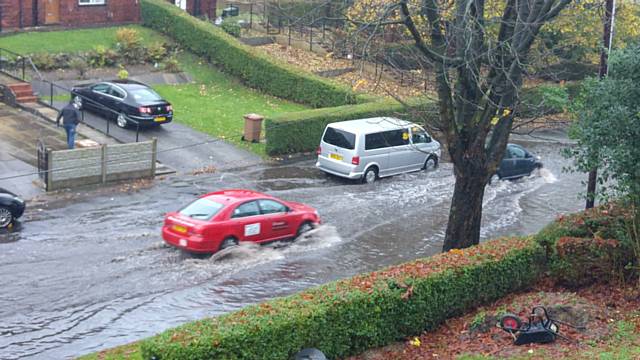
(370,310)
(254,68)
(128,38)
(584,261)
(301,131)
(156,52)
(171,65)
(123,74)
(129,46)
(232,28)
(80,65)
(45,61)
(101,57)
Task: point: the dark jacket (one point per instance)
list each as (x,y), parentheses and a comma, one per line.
(70,115)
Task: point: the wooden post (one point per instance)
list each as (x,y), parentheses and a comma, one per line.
(49,169)
(154,155)
(103,162)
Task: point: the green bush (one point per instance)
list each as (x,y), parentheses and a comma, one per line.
(370,310)
(232,28)
(101,57)
(544,100)
(254,68)
(301,131)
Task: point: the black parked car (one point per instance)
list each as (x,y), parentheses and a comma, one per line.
(517,162)
(11,208)
(129,102)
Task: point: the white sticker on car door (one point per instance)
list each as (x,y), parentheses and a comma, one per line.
(252,229)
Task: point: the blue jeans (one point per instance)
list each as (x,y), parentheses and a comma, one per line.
(71,134)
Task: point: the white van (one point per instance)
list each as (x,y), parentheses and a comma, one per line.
(368,149)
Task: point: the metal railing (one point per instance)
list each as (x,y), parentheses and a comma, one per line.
(14,64)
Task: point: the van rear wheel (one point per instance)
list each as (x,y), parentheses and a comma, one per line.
(370,175)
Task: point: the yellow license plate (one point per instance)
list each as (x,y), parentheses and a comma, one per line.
(336,156)
(179,228)
(160,118)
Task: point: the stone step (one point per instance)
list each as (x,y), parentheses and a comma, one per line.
(20,86)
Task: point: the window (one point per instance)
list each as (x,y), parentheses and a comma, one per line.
(420,136)
(116,92)
(202,209)
(101,88)
(145,95)
(91,2)
(339,138)
(516,152)
(271,207)
(396,137)
(374,141)
(247,209)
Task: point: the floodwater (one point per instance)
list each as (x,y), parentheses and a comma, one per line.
(92,274)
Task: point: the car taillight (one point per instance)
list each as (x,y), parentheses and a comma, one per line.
(144,110)
(355,160)
(319,150)
(169,108)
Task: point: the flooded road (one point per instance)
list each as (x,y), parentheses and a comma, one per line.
(95,273)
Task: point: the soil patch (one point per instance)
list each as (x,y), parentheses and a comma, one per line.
(598,308)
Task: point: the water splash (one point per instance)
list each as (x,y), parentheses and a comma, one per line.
(547,176)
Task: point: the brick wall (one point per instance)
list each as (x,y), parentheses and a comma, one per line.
(72,14)
(206,7)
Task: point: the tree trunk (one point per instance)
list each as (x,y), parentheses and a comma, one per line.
(463,229)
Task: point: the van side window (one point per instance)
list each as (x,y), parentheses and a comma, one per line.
(419,136)
(374,141)
(396,138)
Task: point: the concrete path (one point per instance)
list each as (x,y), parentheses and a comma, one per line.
(179,146)
(19,133)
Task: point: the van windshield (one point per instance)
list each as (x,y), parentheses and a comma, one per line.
(339,138)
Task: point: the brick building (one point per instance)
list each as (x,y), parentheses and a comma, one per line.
(18,14)
(205,8)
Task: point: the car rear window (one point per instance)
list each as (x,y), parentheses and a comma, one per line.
(340,138)
(202,209)
(145,95)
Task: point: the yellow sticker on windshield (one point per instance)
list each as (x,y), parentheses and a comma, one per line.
(405,136)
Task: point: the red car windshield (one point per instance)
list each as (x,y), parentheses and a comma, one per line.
(201,209)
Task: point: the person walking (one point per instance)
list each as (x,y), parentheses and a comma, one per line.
(70,119)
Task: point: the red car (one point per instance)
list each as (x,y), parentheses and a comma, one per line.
(224,218)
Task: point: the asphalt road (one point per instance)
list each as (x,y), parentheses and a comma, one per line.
(88,271)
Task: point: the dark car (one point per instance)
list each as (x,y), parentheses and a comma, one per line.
(129,102)
(11,208)
(517,162)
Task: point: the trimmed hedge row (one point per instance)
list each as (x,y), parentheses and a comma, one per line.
(255,69)
(301,131)
(349,316)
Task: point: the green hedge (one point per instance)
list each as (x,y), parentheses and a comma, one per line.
(349,316)
(297,132)
(254,68)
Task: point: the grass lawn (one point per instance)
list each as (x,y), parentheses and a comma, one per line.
(68,41)
(216,102)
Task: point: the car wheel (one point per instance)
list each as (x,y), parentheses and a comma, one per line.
(228,242)
(6,217)
(304,228)
(431,163)
(370,175)
(122,121)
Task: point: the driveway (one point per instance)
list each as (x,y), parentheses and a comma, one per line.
(179,146)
